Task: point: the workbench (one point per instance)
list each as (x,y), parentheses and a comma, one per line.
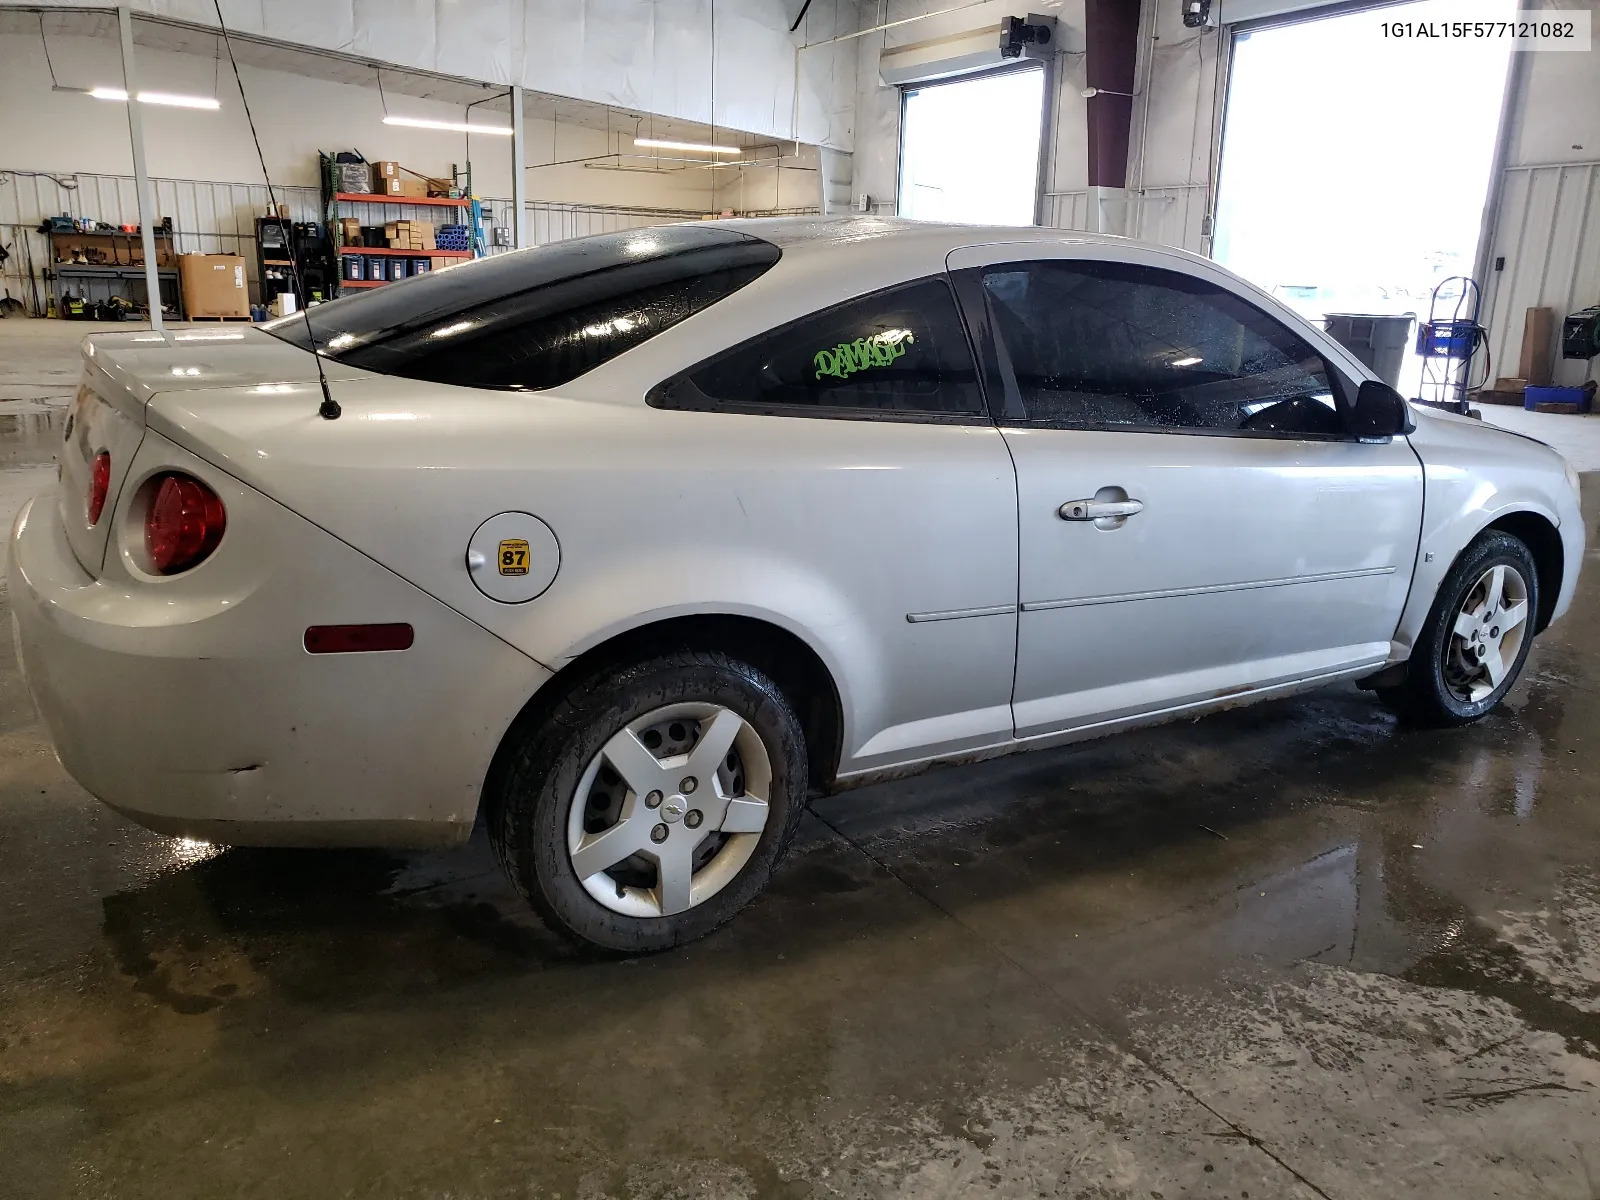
(107,263)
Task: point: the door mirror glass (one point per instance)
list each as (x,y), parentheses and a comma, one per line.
(1379,411)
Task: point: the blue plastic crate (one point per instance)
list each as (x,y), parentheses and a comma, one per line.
(1447,339)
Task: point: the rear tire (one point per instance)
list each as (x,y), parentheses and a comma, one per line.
(1476,639)
(630,817)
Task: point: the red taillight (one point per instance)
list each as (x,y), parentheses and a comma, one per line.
(184,524)
(99,485)
(355,639)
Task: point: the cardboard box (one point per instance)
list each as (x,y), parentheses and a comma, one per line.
(413,187)
(1537,362)
(391,230)
(213,285)
(385,169)
(410,235)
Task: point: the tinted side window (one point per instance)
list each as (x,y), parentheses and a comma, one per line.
(1100,344)
(534,318)
(900,351)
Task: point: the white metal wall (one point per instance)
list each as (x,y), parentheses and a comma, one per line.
(1548,232)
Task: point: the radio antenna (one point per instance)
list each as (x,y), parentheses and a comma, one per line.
(329,409)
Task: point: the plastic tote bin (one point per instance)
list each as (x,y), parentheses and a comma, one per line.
(397,268)
(1378,340)
(420,266)
(377,269)
(1448,339)
(355,266)
(1577,397)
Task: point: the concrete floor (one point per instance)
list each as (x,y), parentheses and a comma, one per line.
(1289,951)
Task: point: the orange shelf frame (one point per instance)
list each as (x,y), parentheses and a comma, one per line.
(435,201)
(405,253)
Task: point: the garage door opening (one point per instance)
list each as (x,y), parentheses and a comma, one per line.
(969,149)
(1355,164)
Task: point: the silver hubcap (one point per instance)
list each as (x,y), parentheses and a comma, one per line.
(1488,634)
(670,810)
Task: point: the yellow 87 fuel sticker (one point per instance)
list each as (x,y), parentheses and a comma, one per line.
(513,556)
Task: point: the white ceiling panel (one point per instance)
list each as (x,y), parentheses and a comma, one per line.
(552,45)
(681,50)
(475,39)
(394,31)
(617,51)
(645,58)
(326,23)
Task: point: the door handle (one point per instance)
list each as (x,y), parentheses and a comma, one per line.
(1100,510)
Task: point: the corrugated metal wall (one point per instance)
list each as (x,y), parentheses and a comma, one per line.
(1066,210)
(1169,215)
(207,218)
(1548,231)
(219,218)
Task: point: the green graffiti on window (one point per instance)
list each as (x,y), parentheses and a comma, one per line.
(879,350)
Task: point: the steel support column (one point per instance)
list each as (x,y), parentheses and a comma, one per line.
(141,174)
(519,173)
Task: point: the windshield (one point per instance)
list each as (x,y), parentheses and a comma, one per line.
(534,318)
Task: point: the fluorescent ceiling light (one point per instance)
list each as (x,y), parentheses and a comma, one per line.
(1191,361)
(448,126)
(168,98)
(700,147)
(177,101)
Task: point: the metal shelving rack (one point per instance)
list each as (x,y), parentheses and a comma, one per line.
(332,200)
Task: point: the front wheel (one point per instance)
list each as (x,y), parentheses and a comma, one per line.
(1476,639)
(653,803)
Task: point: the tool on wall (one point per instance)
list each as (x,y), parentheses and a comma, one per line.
(1580,334)
(8,304)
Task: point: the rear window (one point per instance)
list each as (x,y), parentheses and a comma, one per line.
(535,318)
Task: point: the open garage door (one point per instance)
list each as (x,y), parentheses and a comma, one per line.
(1355,163)
(969,148)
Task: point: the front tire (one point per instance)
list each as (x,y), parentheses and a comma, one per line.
(653,802)
(1477,636)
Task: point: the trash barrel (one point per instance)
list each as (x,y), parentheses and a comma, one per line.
(1378,340)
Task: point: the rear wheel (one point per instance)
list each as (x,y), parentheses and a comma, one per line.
(653,803)
(1477,636)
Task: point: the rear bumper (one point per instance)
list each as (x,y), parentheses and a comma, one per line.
(191,705)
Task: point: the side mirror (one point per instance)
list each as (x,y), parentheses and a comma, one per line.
(1379,412)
